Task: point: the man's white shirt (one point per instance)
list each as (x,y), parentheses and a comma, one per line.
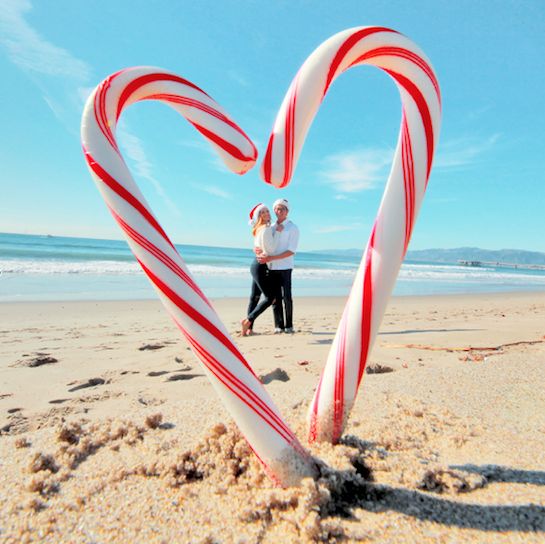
(286,240)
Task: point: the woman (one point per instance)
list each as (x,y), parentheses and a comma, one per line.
(260,221)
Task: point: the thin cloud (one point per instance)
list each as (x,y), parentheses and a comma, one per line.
(237,78)
(462,152)
(134,149)
(60,76)
(476,114)
(209,153)
(195,143)
(67,89)
(84,93)
(214,190)
(30,51)
(355,171)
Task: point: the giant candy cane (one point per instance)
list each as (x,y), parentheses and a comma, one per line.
(241,391)
(421,112)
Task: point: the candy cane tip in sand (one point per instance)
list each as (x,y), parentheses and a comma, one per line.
(421,113)
(242,393)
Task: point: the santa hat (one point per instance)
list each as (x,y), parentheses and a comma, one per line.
(254,214)
(281,202)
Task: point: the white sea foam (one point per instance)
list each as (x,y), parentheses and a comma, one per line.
(55,267)
(442,273)
(48,267)
(408,273)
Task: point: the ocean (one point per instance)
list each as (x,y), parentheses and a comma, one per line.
(40,268)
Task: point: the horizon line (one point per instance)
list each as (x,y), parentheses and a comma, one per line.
(353,249)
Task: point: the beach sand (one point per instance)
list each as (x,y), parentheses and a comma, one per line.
(110,432)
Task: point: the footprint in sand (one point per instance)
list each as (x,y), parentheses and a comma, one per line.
(182,377)
(39,359)
(276,374)
(58,401)
(378,369)
(154,373)
(179,360)
(148,400)
(91,382)
(150,347)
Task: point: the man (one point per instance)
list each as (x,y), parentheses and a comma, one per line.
(281,265)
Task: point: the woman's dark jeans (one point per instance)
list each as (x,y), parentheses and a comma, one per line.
(262,284)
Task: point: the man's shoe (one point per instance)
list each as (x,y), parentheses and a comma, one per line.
(278,330)
(289,330)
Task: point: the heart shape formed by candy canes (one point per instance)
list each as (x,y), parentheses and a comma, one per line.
(272,440)
(390,235)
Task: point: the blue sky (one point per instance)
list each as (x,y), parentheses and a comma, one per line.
(487,187)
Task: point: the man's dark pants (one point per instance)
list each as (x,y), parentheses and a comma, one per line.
(283,279)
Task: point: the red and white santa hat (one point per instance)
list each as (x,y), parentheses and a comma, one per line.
(254,213)
(281,202)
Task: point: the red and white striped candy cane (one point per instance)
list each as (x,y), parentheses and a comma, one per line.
(241,391)
(387,245)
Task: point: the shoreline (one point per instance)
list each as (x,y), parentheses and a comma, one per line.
(470,295)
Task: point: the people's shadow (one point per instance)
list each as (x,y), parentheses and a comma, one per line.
(361,492)
(416,331)
(387,333)
(495,473)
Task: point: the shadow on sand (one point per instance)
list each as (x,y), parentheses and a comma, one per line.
(359,491)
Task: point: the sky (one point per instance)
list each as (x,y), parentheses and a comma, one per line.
(487,186)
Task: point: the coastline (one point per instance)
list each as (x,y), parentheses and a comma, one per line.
(452,435)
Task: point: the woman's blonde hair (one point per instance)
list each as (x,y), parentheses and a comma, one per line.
(260,223)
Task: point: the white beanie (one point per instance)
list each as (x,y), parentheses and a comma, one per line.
(254,213)
(281,202)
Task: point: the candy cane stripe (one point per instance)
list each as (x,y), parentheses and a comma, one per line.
(139,82)
(184,101)
(367,306)
(424,110)
(242,392)
(159,255)
(339,381)
(100,111)
(346,47)
(124,194)
(194,315)
(402,53)
(408,175)
(224,144)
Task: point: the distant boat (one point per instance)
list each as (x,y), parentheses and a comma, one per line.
(470,263)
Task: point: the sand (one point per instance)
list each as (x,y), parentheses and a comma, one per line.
(110,432)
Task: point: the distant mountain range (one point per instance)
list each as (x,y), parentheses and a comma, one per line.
(515,256)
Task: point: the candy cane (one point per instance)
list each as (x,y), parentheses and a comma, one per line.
(272,440)
(387,245)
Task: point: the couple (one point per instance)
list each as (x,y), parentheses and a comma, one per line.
(274,246)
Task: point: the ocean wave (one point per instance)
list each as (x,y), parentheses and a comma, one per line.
(463,274)
(115,268)
(46,267)
(408,273)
